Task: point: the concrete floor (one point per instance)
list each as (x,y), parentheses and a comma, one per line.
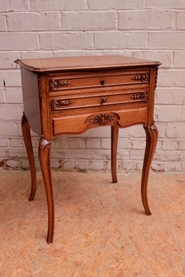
(100,230)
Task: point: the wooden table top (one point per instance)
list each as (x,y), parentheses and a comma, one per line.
(44,65)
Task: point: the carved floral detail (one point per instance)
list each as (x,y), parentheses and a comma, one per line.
(143,96)
(103,118)
(141,77)
(58,104)
(55,84)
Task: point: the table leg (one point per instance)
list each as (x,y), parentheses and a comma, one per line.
(114,145)
(44,157)
(29,149)
(151,141)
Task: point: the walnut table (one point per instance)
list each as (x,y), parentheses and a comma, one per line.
(70,95)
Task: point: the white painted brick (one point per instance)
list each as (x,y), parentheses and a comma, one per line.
(170,144)
(97,165)
(173,167)
(181,145)
(160,40)
(12,5)
(129,20)
(89,21)
(61,142)
(106,143)
(183,167)
(171,78)
(14,95)
(138,144)
(34,21)
(136,154)
(3,153)
(101,132)
(158,167)
(75,41)
(58,153)
(123,143)
(128,165)
(165,96)
(56,5)
(8,128)
(136,131)
(55,164)
(69,164)
(13,164)
(82,164)
(16,142)
(3,26)
(76,143)
(169,113)
(92,143)
(16,152)
(10,112)
(11,78)
(174,130)
(179,58)
(87,154)
(161,129)
(165,57)
(172,156)
(121,154)
(115,4)
(180,20)
(18,41)
(7,60)
(176,4)
(3,142)
(2,96)
(179,96)
(24,164)
(115,40)
(35,55)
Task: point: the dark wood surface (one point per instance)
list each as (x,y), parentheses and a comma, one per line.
(71,95)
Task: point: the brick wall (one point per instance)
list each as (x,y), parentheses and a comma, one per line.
(149,29)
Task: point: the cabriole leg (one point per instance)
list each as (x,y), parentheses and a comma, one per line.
(44,157)
(151,141)
(29,149)
(114,145)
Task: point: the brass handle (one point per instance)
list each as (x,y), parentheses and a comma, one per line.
(104,100)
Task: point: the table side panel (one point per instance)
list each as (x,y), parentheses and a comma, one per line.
(31,100)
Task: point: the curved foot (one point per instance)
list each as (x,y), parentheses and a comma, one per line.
(29,149)
(151,141)
(44,156)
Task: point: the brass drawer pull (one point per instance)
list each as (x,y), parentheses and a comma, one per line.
(104,100)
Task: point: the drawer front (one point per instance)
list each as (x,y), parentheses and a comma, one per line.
(93,80)
(80,123)
(103,100)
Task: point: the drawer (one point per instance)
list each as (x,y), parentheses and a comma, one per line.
(96,100)
(80,123)
(93,80)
